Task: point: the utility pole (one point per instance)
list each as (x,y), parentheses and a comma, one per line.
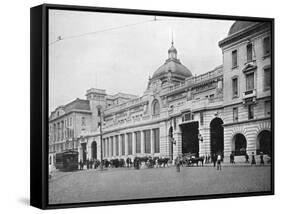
(101,149)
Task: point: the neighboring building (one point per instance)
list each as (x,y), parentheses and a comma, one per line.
(221,111)
(247,88)
(66,124)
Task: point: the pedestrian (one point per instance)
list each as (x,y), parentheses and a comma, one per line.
(261,158)
(178,164)
(81,164)
(219,159)
(91,163)
(253,159)
(127,161)
(87,163)
(214,159)
(138,163)
(246,158)
(232,158)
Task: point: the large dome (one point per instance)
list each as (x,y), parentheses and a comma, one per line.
(240,25)
(172,65)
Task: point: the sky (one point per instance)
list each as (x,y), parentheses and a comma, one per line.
(95,51)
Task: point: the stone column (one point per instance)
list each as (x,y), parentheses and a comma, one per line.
(80,155)
(120,145)
(114,146)
(89,151)
(142,142)
(152,142)
(177,148)
(134,143)
(107,147)
(104,148)
(205,145)
(126,144)
(110,147)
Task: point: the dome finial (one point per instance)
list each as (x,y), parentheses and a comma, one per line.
(172,38)
(172,52)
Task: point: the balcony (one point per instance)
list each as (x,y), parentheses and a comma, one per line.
(206,103)
(156,116)
(249,96)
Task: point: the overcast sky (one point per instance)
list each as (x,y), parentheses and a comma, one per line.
(122,59)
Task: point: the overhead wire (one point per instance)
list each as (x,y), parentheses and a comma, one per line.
(99,31)
(60,38)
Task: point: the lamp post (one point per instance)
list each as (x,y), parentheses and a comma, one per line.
(200,138)
(100,124)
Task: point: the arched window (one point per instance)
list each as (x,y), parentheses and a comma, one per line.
(155,107)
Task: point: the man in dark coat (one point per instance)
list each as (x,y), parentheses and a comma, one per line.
(91,163)
(81,164)
(214,159)
(253,159)
(87,163)
(261,158)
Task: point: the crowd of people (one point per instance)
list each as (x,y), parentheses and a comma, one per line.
(156,162)
(247,158)
(137,163)
(215,159)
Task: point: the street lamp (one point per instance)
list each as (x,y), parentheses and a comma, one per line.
(100,124)
(200,138)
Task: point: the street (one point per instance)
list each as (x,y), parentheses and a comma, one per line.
(123,183)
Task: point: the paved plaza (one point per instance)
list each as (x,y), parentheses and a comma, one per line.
(119,184)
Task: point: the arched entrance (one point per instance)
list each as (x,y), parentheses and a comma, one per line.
(216,136)
(240,144)
(94,150)
(264,142)
(190,141)
(171,137)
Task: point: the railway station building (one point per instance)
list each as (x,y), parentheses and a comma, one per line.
(225,110)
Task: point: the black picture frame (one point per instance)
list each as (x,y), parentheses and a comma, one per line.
(39,104)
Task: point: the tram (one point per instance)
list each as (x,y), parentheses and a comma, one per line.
(67,161)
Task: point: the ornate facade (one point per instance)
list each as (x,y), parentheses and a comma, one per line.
(224,110)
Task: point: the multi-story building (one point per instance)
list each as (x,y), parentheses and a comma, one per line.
(247,88)
(224,110)
(66,124)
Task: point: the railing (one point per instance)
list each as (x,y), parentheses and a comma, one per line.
(195,80)
(217,99)
(127,122)
(249,94)
(207,102)
(156,116)
(124,105)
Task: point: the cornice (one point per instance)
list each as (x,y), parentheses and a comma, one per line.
(260,27)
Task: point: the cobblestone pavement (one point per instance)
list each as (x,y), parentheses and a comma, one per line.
(118,184)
